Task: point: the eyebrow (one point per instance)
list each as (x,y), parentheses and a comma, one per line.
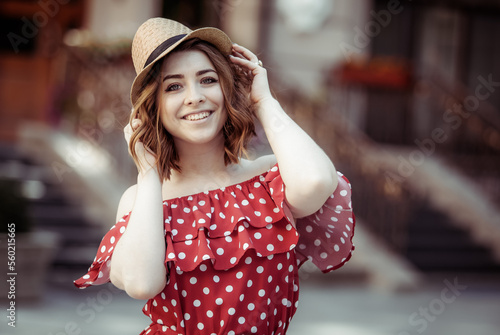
(180,76)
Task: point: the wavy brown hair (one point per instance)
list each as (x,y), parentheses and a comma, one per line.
(238,129)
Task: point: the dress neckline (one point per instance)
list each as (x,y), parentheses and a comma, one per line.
(220,189)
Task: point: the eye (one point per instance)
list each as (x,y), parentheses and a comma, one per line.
(209,80)
(172,87)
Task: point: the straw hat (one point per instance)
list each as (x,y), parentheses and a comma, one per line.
(158,36)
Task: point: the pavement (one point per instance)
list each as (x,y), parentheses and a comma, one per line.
(446,304)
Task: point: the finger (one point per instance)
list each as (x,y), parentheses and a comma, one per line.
(247,54)
(136,123)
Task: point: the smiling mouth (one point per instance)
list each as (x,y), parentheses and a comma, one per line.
(197,116)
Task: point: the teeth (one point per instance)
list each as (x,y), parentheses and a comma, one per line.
(199,116)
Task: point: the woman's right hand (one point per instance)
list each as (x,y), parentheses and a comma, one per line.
(146,158)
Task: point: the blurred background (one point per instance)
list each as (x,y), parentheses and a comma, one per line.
(403,95)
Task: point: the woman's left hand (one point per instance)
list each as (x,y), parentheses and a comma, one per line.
(248,60)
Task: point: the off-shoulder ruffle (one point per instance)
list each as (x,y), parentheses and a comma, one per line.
(221,225)
(326,236)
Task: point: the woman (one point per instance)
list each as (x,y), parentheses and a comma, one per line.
(209,238)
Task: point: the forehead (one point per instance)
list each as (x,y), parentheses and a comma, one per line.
(183,62)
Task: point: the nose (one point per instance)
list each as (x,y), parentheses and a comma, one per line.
(194,96)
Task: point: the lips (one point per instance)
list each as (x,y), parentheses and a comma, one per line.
(197,116)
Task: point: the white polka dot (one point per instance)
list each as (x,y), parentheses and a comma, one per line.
(233,260)
(262,293)
(269,279)
(201,203)
(270,247)
(336,247)
(231,311)
(251,307)
(122,229)
(269,219)
(200,326)
(196,303)
(216,279)
(343,193)
(187,210)
(229,239)
(187,316)
(210,313)
(174,302)
(165,309)
(171,255)
(193,280)
(249,283)
(112,240)
(241,320)
(260,269)
(239,275)
(309,229)
(184,293)
(220,251)
(248,260)
(181,255)
(324,255)
(203,268)
(174,232)
(257,235)
(222,216)
(103,248)
(213,227)
(257,213)
(180,221)
(229,288)
(347,227)
(262,201)
(219,301)
(245,202)
(317,242)
(253,330)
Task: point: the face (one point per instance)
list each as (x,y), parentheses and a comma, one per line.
(191,103)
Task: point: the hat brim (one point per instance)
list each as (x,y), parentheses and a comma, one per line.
(212,35)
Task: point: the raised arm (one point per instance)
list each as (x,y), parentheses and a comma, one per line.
(137,265)
(308,173)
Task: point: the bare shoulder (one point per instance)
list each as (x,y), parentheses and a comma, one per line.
(126,202)
(258,166)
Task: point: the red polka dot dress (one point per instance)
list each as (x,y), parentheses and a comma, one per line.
(232,257)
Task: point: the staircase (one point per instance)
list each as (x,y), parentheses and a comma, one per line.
(51,209)
(435,244)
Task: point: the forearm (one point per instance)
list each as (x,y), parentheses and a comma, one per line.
(138,260)
(305,168)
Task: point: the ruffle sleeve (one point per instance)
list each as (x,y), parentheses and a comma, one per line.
(98,273)
(325,237)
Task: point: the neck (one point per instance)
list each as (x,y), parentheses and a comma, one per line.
(201,159)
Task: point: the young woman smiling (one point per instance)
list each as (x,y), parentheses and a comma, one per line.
(211,239)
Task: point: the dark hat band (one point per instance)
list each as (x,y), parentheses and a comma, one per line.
(162,47)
